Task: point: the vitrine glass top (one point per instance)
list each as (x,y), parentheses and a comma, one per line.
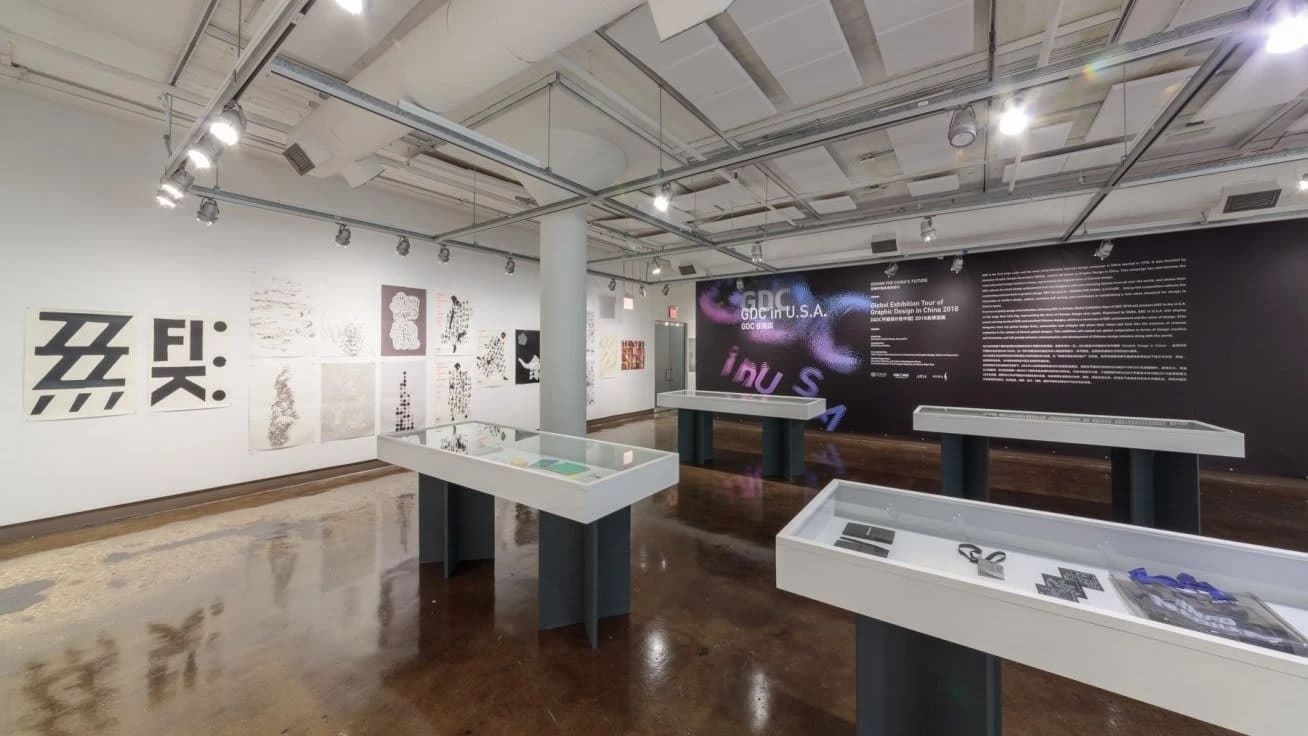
(1041,416)
(573,458)
(761,398)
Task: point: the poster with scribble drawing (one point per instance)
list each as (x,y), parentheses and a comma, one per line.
(590,330)
(79,364)
(492,360)
(403,395)
(343,336)
(526,354)
(283,404)
(633,355)
(190,363)
(282,323)
(403,321)
(590,379)
(349,401)
(453,324)
(608,356)
(453,390)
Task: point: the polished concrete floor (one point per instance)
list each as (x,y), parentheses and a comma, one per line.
(308,614)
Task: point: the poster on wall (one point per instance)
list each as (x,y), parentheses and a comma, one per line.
(403,321)
(283,404)
(691,357)
(403,396)
(453,324)
(590,379)
(349,408)
(608,356)
(282,323)
(453,390)
(608,306)
(633,355)
(190,360)
(344,337)
(590,330)
(78,364)
(492,358)
(526,349)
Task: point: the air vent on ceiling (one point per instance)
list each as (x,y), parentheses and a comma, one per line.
(299,159)
(1260,200)
(885,247)
(687,269)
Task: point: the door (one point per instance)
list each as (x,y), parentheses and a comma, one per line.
(670,356)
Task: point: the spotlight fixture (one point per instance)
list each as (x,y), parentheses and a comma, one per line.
(443,255)
(1289,35)
(655,267)
(403,247)
(353,7)
(1015,118)
(666,289)
(891,270)
(962,127)
(928,230)
(663,199)
(343,235)
(177,184)
(956,265)
(642,291)
(208,212)
(203,153)
(613,284)
(1104,250)
(229,126)
(165,200)
(1303,183)
(740,284)
(756,254)
(510,266)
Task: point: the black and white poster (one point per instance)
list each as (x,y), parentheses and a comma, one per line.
(526,348)
(403,321)
(492,359)
(403,395)
(284,406)
(190,363)
(453,390)
(453,314)
(78,364)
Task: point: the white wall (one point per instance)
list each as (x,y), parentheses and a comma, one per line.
(79,230)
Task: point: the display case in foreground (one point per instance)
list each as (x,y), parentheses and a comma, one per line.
(943,587)
(783,424)
(583,488)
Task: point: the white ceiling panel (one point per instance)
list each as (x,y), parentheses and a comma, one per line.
(744,104)
(1036,140)
(821,78)
(1143,99)
(1065,163)
(1262,81)
(1034,169)
(912,35)
(1148,18)
(1091,158)
(801,44)
(922,146)
(1300,126)
(814,171)
(833,205)
(938,185)
(1192,11)
(757,219)
(636,33)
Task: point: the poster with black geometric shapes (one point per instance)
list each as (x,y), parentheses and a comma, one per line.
(526,349)
(492,358)
(633,355)
(190,363)
(403,395)
(609,347)
(344,337)
(78,364)
(590,379)
(282,323)
(403,321)
(349,401)
(453,324)
(453,390)
(283,404)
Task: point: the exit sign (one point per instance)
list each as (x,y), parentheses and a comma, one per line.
(673,312)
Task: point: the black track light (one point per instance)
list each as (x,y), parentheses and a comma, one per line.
(208,212)
(343,235)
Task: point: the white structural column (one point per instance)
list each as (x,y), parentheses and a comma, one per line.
(594,162)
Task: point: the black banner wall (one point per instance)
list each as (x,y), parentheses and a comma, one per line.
(1207,325)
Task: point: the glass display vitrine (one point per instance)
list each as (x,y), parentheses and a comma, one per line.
(783,424)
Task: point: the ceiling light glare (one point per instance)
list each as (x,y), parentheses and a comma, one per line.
(756,254)
(663,199)
(165,200)
(403,247)
(208,212)
(962,127)
(1289,35)
(203,153)
(1015,119)
(666,289)
(655,268)
(1303,183)
(343,235)
(928,230)
(956,265)
(891,270)
(353,7)
(510,266)
(613,284)
(229,126)
(1104,250)
(177,184)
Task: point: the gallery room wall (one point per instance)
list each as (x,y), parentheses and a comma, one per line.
(80,232)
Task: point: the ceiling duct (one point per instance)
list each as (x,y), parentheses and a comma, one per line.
(431,67)
(687,269)
(885,247)
(1249,201)
(1240,201)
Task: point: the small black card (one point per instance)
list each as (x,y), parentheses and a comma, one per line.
(1084,579)
(869,533)
(1054,581)
(864,547)
(1065,593)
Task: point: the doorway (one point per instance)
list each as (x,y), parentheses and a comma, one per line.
(669,356)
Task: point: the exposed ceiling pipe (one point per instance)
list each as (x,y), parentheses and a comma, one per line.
(188,49)
(462,50)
